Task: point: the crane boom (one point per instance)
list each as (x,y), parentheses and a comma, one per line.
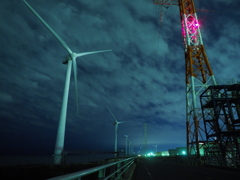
(199,74)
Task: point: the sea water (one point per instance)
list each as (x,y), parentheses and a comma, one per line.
(24,160)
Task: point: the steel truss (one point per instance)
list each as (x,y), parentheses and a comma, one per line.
(199,74)
(221,115)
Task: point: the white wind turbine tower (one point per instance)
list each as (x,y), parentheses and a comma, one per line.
(116,129)
(155,147)
(126,143)
(126,140)
(71,61)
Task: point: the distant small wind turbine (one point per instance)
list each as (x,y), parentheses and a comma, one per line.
(71,61)
(129,148)
(116,129)
(155,147)
(126,140)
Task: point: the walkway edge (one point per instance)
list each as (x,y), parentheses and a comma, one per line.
(129,174)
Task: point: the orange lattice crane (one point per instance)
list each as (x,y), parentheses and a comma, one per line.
(199,74)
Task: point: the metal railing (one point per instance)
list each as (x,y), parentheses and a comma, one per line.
(116,171)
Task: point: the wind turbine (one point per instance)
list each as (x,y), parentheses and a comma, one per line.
(116,129)
(129,148)
(155,147)
(126,140)
(71,61)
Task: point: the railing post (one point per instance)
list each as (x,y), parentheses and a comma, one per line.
(118,172)
(101,173)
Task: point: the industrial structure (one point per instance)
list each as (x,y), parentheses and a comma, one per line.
(221,115)
(200,80)
(199,74)
(145,139)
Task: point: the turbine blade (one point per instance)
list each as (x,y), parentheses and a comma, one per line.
(121,122)
(75,80)
(93,52)
(49,28)
(113,115)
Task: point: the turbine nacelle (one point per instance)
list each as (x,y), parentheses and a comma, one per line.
(117,122)
(67,59)
(71,56)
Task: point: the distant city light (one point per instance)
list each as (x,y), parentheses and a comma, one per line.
(150,154)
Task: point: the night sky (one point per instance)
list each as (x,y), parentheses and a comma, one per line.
(142,80)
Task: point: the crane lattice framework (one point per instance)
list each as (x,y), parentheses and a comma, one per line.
(199,74)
